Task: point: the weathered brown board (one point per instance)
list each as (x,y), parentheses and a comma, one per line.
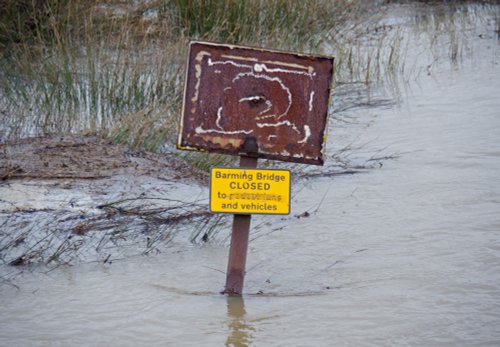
(248,101)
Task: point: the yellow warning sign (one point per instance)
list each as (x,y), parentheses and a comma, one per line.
(249,191)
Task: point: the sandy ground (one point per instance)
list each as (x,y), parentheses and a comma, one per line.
(85,157)
(69,198)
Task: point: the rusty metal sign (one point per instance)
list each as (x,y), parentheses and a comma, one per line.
(256,102)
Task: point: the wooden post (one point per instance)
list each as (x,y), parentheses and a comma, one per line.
(235,275)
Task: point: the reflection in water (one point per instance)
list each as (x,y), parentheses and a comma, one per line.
(239,335)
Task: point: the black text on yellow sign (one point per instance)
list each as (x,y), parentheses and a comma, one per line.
(249,191)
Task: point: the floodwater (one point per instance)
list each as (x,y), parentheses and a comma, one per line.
(405,254)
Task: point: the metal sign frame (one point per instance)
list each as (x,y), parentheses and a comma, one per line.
(251,101)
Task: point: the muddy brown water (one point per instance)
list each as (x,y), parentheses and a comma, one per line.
(407,254)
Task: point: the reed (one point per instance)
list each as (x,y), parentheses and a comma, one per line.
(118,68)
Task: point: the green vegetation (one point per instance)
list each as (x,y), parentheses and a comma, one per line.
(118,69)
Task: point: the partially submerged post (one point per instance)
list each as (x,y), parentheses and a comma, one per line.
(236,264)
(254,103)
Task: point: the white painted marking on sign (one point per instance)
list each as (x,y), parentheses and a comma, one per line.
(269,105)
(258,71)
(197,74)
(219,118)
(272,79)
(230,62)
(251,98)
(307,131)
(235,57)
(286,122)
(311,97)
(200,130)
(263,67)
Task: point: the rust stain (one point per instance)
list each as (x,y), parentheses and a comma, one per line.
(224,141)
(269,104)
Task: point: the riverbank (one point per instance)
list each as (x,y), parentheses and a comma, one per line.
(69,198)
